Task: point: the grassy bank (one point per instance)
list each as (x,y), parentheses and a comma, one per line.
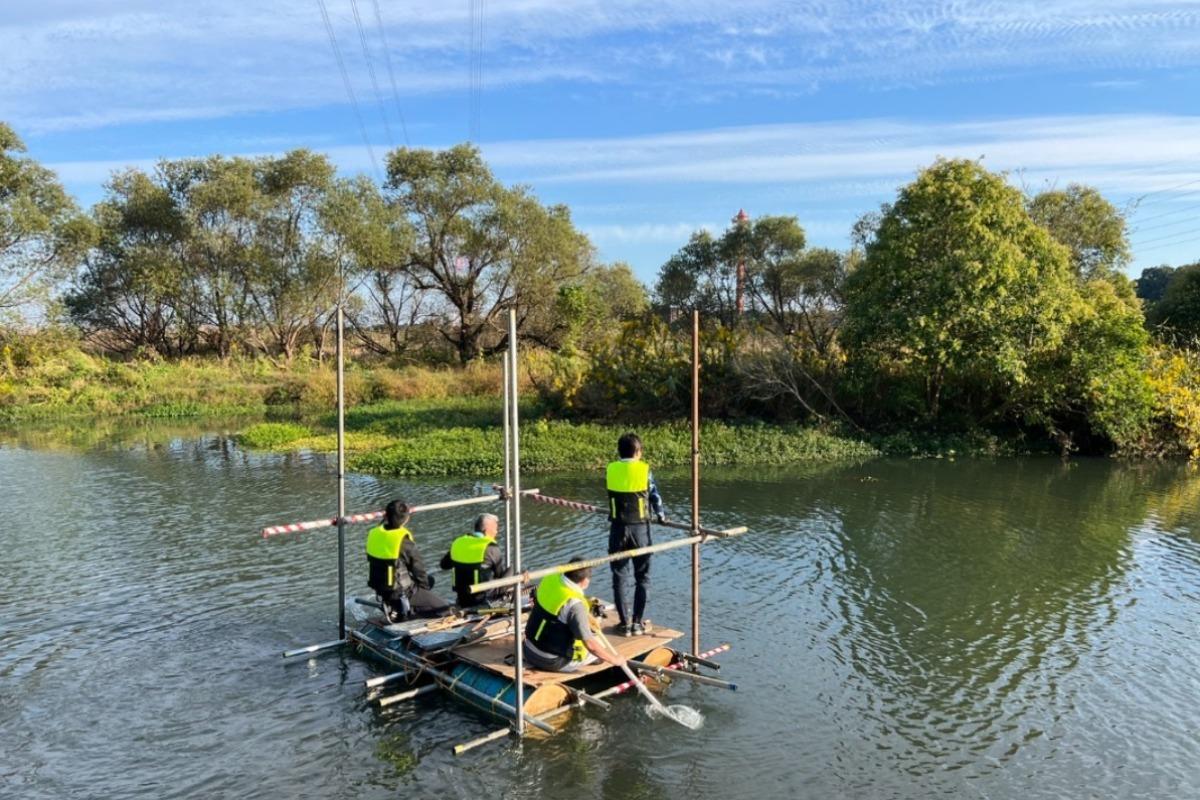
(464,437)
(403,421)
(68,382)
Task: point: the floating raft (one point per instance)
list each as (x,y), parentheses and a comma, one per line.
(476,668)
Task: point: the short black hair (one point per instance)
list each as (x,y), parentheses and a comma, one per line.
(396,514)
(579,574)
(629,445)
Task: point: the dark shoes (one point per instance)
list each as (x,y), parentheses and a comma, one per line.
(637,629)
(625,629)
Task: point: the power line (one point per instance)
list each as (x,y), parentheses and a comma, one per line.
(1139,250)
(1159,226)
(1177,233)
(362,38)
(387,58)
(477,13)
(1169,189)
(1138,205)
(1171,213)
(479,85)
(337,54)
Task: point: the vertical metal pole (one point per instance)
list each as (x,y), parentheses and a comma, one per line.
(695,481)
(507,468)
(341,472)
(518,628)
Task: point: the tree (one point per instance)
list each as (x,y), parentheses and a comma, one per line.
(959,287)
(594,307)
(292,282)
(1177,315)
(221,204)
(479,247)
(129,282)
(1152,285)
(372,241)
(1080,218)
(42,232)
(698,278)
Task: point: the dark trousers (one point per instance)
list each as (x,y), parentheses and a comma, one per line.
(421,603)
(627,570)
(427,604)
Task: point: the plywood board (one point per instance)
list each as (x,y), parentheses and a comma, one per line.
(493,655)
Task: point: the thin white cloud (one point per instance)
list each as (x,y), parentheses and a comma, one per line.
(1128,153)
(71,64)
(646,233)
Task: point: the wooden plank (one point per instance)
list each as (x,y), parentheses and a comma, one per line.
(491,654)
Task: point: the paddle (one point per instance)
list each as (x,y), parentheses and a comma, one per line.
(641,687)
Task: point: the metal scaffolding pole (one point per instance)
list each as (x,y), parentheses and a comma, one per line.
(507,469)
(341,470)
(518,628)
(695,481)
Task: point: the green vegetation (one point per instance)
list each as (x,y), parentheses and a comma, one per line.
(967,316)
(49,376)
(464,437)
(42,233)
(1176,315)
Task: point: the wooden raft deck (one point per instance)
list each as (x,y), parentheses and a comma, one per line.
(495,655)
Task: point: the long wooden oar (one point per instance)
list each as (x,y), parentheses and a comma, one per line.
(659,707)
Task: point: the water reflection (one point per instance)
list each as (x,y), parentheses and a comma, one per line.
(1018,628)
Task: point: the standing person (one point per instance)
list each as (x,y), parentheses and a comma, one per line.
(396,571)
(632,498)
(475,557)
(558,636)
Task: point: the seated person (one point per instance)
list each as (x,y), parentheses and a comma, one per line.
(475,557)
(397,573)
(559,635)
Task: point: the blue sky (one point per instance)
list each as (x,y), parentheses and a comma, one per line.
(649,120)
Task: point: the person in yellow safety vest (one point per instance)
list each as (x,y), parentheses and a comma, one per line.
(476,557)
(558,636)
(396,571)
(632,498)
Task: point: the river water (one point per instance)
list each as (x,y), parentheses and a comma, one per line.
(1018,628)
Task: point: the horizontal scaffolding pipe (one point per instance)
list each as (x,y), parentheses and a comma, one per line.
(620,688)
(527,577)
(642,666)
(585,698)
(371,516)
(384,702)
(538,497)
(383,680)
(313,648)
(702,662)
(447,682)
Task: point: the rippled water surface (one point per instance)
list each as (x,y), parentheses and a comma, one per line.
(1018,628)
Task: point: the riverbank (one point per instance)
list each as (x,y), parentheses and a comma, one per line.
(464,437)
(412,420)
(61,382)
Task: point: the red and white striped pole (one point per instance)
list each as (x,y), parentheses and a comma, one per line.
(371,516)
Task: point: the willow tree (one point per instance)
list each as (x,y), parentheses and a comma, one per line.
(480,247)
(127,291)
(42,232)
